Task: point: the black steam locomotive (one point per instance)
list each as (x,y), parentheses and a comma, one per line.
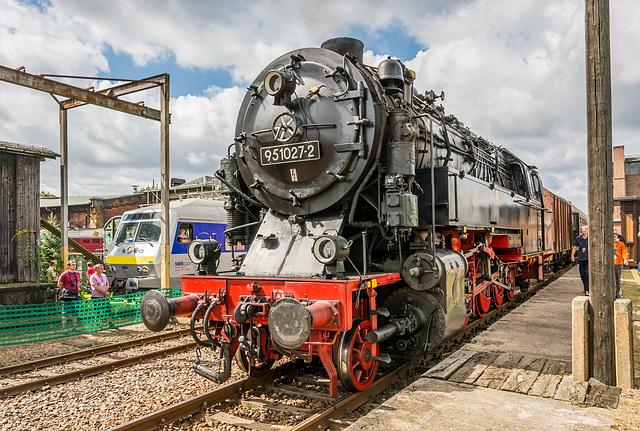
(375,225)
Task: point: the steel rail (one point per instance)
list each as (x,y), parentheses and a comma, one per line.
(321,419)
(91,371)
(195,404)
(80,354)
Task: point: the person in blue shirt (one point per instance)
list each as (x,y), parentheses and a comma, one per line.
(581,245)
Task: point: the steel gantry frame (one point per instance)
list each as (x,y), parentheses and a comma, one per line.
(106,98)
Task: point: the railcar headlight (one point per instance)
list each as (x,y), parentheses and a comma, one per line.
(145,270)
(139,270)
(328,249)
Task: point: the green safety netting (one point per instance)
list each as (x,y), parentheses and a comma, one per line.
(38,322)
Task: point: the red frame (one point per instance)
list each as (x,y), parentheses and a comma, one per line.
(323,340)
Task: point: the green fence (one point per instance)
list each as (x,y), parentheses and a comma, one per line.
(38,322)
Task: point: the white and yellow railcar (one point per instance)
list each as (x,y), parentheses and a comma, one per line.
(133,261)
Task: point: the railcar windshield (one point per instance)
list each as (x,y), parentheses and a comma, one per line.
(126,232)
(145,231)
(149,231)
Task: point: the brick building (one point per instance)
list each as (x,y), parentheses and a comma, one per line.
(91,212)
(94,211)
(626,198)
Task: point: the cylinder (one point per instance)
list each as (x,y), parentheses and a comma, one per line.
(384,333)
(156,310)
(290,322)
(229,166)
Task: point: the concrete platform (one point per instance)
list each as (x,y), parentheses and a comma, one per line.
(539,327)
(513,354)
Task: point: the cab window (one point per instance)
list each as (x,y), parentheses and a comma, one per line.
(126,233)
(519,182)
(149,231)
(537,189)
(185,233)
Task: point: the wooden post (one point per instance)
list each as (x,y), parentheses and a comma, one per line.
(600,173)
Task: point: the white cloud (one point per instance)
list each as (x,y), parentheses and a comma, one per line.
(514,72)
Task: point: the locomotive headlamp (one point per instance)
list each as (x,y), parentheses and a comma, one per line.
(203,250)
(328,249)
(274,83)
(205,253)
(281,86)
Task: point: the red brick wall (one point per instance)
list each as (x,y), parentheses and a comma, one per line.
(619,183)
(632,185)
(78,215)
(98,212)
(103,209)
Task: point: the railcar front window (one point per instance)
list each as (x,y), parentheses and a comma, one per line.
(126,233)
(149,232)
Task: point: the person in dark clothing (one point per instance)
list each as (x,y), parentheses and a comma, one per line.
(581,245)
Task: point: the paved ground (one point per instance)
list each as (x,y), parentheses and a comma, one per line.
(541,327)
(430,404)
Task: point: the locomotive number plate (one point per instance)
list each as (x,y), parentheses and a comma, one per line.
(289,153)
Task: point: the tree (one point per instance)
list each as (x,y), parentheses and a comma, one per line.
(49,250)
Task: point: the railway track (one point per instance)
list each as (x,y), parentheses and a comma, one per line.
(87,353)
(332,415)
(86,371)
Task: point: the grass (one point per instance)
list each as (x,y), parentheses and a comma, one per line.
(631,290)
(627,416)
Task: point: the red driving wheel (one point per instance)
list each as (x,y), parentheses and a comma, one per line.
(483,301)
(497,293)
(356,366)
(510,281)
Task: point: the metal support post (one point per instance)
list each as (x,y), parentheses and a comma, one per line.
(164,184)
(64,189)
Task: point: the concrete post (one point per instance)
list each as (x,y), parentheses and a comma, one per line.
(580,339)
(624,343)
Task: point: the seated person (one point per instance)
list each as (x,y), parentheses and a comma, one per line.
(182,237)
(144,234)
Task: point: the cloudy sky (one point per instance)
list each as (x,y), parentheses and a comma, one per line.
(512,71)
